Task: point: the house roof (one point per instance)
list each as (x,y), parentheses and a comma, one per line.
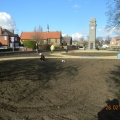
(7,32)
(43,35)
(66,38)
(118,38)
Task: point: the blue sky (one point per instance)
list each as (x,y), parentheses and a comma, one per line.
(72,17)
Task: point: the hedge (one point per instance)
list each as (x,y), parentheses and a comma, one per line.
(29,44)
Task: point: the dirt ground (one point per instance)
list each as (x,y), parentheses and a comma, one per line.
(79,89)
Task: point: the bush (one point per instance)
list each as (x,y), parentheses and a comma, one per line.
(29,44)
(44,47)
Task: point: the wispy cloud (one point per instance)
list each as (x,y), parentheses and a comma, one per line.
(72,28)
(109,31)
(99,30)
(76,6)
(76,36)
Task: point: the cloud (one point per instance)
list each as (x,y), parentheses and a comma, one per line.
(99,30)
(6,21)
(108,31)
(76,6)
(112,31)
(64,34)
(77,36)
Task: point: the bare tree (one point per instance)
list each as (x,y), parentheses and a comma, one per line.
(113,13)
(99,41)
(82,38)
(40,29)
(37,36)
(85,43)
(108,39)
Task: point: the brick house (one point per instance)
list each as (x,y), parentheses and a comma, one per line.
(44,37)
(7,36)
(67,40)
(75,42)
(80,43)
(115,42)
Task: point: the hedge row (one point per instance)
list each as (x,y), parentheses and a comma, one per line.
(29,44)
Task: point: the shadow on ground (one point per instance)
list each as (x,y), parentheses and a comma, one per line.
(33,69)
(35,90)
(112,110)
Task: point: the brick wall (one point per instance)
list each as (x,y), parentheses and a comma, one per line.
(3,41)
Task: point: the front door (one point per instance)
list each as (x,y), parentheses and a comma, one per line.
(91,45)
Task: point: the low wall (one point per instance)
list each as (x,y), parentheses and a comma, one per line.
(16,53)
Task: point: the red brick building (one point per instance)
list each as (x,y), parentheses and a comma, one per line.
(7,36)
(43,37)
(115,42)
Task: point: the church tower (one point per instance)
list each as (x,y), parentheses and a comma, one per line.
(92,33)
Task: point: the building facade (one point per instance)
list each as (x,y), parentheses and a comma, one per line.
(115,42)
(8,38)
(54,38)
(67,40)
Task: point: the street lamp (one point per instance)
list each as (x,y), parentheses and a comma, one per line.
(12,39)
(36,47)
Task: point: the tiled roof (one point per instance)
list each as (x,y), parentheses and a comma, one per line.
(43,35)
(7,32)
(66,38)
(118,38)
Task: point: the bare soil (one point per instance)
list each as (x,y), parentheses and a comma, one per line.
(79,89)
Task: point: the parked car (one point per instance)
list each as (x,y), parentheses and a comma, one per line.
(81,48)
(21,46)
(105,46)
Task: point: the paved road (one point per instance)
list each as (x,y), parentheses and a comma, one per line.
(59,55)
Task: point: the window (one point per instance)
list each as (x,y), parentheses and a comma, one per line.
(12,39)
(5,37)
(41,41)
(15,38)
(16,44)
(49,40)
(55,40)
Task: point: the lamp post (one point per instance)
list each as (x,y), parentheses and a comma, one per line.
(37,47)
(12,39)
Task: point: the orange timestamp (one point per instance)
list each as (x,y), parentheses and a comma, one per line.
(112,107)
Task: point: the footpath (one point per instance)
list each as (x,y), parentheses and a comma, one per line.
(59,55)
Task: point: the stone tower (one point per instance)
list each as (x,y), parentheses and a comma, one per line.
(92,33)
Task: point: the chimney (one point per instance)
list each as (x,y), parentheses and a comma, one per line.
(0,30)
(12,31)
